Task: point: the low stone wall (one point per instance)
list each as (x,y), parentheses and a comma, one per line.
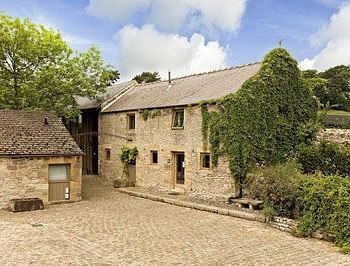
(340,136)
(283,224)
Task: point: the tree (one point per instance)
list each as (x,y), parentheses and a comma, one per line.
(331,87)
(338,78)
(39,71)
(147,77)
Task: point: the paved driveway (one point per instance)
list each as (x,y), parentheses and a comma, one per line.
(110,228)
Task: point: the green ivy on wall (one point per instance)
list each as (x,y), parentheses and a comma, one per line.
(146,113)
(128,156)
(265,121)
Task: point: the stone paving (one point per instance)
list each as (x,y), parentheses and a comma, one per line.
(110,228)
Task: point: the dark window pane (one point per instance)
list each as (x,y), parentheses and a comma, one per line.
(154,157)
(131,121)
(178,119)
(205,160)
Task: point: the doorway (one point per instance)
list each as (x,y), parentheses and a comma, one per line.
(179,168)
(59,182)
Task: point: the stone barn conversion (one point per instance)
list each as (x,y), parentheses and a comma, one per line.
(163,120)
(38,158)
(84,129)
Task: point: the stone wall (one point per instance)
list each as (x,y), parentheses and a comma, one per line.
(157,134)
(28,177)
(283,224)
(340,136)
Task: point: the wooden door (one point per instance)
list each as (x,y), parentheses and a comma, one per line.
(59,182)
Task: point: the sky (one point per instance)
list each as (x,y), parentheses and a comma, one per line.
(193,36)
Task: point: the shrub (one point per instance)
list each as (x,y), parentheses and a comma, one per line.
(128,156)
(278,186)
(326,157)
(326,205)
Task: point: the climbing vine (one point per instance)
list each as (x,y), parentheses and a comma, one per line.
(128,156)
(146,113)
(264,121)
(205,123)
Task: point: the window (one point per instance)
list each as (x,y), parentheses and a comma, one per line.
(205,160)
(178,119)
(108,154)
(154,157)
(58,172)
(131,121)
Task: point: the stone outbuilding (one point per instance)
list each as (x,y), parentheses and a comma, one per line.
(84,129)
(38,158)
(163,120)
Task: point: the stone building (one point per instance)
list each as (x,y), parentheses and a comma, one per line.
(84,129)
(38,158)
(163,121)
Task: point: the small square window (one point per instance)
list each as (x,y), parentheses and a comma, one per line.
(205,160)
(178,119)
(154,157)
(108,154)
(58,172)
(131,121)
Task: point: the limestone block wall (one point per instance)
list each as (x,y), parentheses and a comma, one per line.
(28,177)
(340,136)
(157,134)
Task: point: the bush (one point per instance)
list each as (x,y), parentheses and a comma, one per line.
(326,205)
(326,157)
(128,156)
(278,186)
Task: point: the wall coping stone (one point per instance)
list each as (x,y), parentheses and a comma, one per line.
(202,207)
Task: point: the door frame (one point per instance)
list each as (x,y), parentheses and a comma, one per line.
(174,168)
(65,183)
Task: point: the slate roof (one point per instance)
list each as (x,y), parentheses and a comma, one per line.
(111,91)
(184,91)
(24,133)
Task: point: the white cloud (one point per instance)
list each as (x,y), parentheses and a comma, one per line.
(336,38)
(146,49)
(172,14)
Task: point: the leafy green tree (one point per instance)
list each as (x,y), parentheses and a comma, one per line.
(309,74)
(319,87)
(331,87)
(338,85)
(147,77)
(39,71)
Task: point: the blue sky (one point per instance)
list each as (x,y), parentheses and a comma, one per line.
(189,36)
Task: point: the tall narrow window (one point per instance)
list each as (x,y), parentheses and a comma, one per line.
(108,154)
(131,121)
(154,157)
(205,160)
(178,119)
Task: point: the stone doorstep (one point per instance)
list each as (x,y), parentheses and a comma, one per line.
(197,206)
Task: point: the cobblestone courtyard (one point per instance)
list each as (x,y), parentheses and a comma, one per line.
(110,228)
